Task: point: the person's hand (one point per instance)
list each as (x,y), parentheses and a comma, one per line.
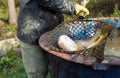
(81,11)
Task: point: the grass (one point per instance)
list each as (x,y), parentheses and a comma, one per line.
(18,72)
(3,14)
(11,66)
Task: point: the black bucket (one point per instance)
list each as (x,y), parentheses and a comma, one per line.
(61,68)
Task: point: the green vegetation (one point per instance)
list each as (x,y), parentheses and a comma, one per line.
(116,12)
(3,14)
(102,8)
(11,66)
(7,61)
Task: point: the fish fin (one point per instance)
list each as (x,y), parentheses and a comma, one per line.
(105,29)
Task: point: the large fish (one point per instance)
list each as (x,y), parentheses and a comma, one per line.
(100,35)
(67,44)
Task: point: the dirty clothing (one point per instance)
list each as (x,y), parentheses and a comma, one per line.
(34,60)
(35,18)
(39,16)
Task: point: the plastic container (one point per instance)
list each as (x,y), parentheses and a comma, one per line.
(61,68)
(75,66)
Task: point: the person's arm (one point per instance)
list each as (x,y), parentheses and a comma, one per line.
(64,6)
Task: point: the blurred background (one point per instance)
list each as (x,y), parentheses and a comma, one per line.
(11,65)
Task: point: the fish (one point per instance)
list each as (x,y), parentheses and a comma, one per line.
(67,44)
(100,35)
(104,33)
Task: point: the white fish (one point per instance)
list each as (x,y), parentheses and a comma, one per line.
(68,44)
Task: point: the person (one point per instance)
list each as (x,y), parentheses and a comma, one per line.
(35,18)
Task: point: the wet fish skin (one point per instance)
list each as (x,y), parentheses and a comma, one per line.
(98,37)
(67,44)
(102,35)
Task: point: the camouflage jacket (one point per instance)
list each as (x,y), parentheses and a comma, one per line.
(39,16)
